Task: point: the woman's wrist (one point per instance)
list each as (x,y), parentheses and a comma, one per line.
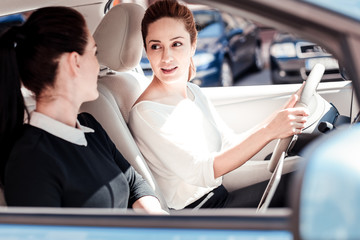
(267,133)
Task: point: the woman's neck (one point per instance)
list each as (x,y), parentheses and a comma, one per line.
(176,88)
(58,108)
(169,93)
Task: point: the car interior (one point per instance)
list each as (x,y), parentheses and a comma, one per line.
(125,89)
(119,87)
(121,82)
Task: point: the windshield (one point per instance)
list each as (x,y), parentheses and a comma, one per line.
(208,24)
(350,8)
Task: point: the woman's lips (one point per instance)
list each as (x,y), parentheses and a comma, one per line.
(168,70)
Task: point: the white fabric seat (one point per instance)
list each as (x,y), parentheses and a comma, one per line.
(119,42)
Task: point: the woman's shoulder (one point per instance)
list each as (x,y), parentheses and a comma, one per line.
(30,137)
(199,96)
(150,112)
(193,87)
(33,142)
(148,95)
(87,119)
(196,90)
(150,106)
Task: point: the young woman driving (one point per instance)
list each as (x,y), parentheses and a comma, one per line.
(186,144)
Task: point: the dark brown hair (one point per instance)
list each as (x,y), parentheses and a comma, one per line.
(29,55)
(171,9)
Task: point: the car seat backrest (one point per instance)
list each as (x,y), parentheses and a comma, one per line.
(119,43)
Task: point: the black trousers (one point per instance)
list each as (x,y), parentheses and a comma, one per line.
(248,197)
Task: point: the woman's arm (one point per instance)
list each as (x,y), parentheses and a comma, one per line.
(141,195)
(148,204)
(284,123)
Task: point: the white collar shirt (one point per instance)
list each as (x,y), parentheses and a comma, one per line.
(75,135)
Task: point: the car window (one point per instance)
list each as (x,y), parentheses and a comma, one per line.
(230,23)
(349,8)
(257,54)
(208,23)
(292,58)
(242,22)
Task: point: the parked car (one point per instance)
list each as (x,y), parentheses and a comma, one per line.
(336,24)
(227,46)
(292,58)
(10,20)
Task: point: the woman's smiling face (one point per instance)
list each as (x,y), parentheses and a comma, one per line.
(169,49)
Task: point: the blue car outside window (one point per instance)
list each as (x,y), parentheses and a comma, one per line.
(208,24)
(12,18)
(213,30)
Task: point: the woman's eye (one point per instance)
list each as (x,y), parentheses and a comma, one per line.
(154,47)
(177,44)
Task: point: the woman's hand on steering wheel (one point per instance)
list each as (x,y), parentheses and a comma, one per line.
(294,98)
(306,93)
(288,122)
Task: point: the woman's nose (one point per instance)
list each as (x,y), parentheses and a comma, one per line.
(167,55)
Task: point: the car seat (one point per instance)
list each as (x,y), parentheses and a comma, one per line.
(119,42)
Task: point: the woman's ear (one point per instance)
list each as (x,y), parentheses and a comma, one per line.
(193,48)
(67,64)
(73,60)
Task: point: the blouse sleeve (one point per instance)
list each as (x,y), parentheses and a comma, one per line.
(228,136)
(172,149)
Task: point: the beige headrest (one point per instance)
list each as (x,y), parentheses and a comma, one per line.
(118,37)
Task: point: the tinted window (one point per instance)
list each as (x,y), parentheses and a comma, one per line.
(229,21)
(207,23)
(350,8)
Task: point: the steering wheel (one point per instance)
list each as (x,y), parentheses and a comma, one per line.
(307,96)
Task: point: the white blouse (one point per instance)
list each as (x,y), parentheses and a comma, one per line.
(179,143)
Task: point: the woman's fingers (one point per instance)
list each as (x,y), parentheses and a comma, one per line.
(298,111)
(298,118)
(298,92)
(295,97)
(297,125)
(292,101)
(295,120)
(288,122)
